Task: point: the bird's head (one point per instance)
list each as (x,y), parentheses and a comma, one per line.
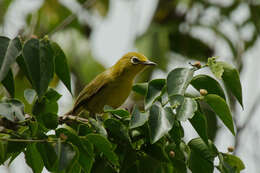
(132,63)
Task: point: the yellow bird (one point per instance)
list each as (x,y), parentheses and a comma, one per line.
(113,86)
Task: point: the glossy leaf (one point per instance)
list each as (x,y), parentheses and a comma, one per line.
(104,146)
(178,81)
(187,109)
(38,57)
(117,129)
(33,158)
(232,81)
(48,154)
(98,126)
(29,95)
(199,123)
(160,122)
(52,95)
(208,83)
(61,65)
(50,120)
(12,110)
(120,112)
(154,91)
(67,155)
(220,107)
(9,50)
(140,88)
(137,119)
(8,83)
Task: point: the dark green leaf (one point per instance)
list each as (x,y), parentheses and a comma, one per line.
(208,152)
(140,88)
(3,148)
(8,83)
(216,68)
(67,155)
(12,110)
(177,132)
(86,160)
(160,122)
(33,158)
(61,65)
(199,123)
(52,95)
(120,112)
(137,119)
(154,91)
(157,151)
(117,130)
(9,50)
(20,61)
(104,146)
(208,83)
(50,120)
(219,105)
(232,81)
(29,95)
(178,81)
(44,106)
(38,57)
(187,109)
(48,155)
(198,164)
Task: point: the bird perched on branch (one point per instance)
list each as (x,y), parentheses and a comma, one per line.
(113,86)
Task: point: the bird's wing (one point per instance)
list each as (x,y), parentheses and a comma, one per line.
(91,89)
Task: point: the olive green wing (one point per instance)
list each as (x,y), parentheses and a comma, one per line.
(90,90)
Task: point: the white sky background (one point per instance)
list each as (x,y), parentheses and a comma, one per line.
(115,36)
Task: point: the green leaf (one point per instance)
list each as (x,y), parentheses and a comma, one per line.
(50,120)
(33,158)
(157,151)
(198,164)
(187,109)
(220,107)
(177,132)
(49,156)
(208,83)
(104,146)
(117,130)
(38,57)
(86,160)
(9,50)
(201,154)
(8,83)
(44,106)
(29,95)
(12,110)
(216,68)
(52,95)
(120,112)
(137,119)
(208,152)
(98,126)
(3,148)
(232,81)
(199,123)
(154,91)
(160,122)
(140,88)
(67,155)
(61,65)
(178,81)
(230,163)
(20,61)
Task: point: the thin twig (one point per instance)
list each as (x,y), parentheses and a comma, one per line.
(70,18)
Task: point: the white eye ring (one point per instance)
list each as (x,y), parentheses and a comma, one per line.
(135,60)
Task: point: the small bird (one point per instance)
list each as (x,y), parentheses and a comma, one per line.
(112,87)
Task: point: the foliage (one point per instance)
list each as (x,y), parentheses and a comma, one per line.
(149,140)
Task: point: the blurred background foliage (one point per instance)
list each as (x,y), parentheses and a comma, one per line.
(171,33)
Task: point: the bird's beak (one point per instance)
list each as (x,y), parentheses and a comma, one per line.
(149,63)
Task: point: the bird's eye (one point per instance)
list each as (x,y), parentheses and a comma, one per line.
(135,60)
